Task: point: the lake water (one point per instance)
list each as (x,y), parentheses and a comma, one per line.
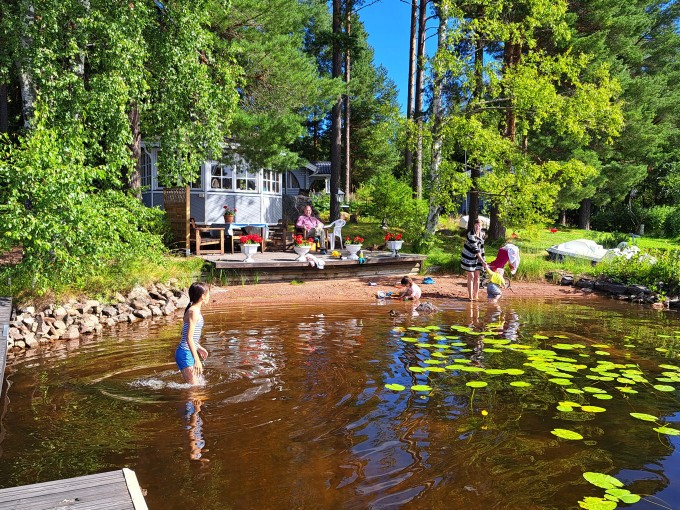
(296,413)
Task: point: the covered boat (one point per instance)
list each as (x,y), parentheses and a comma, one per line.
(578,248)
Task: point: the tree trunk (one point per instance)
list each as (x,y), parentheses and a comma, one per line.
(4,112)
(28,92)
(563,218)
(438,119)
(348,161)
(336,113)
(496,228)
(584,214)
(475,169)
(410,102)
(135,179)
(418,114)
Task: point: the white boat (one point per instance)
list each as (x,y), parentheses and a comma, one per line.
(579,248)
(463,222)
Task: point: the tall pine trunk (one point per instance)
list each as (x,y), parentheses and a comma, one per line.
(410,102)
(134,181)
(584,212)
(4,110)
(28,92)
(475,170)
(348,159)
(418,114)
(438,119)
(336,113)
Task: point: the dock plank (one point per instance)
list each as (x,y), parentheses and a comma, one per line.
(5,315)
(115,490)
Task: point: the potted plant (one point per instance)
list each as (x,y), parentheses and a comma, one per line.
(301,246)
(394,242)
(353,245)
(249,245)
(229,214)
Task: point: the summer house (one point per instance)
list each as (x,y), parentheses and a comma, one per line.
(255,194)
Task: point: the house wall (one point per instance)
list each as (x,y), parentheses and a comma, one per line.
(207,203)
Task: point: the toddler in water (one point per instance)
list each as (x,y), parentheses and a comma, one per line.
(412,290)
(189,352)
(493,288)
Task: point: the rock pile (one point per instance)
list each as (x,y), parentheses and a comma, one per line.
(30,328)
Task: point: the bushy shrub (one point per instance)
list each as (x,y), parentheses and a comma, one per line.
(655,220)
(617,218)
(672,223)
(611,239)
(649,268)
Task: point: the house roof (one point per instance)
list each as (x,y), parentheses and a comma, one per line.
(322,167)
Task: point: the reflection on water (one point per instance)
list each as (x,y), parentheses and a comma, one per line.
(295,414)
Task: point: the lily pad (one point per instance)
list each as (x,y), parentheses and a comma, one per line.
(566,434)
(669,431)
(395,387)
(417,369)
(476,384)
(603,396)
(520,384)
(565,409)
(644,417)
(624,495)
(421,387)
(409,339)
(663,387)
(591,503)
(602,480)
(593,409)
(575,391)
(560,381)
(436,369)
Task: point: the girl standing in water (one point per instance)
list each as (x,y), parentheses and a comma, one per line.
(189,350)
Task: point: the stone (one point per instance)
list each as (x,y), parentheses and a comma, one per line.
(637,289)
(584,283)
(157,295)
(15,334)
(611,288)
(119,297)
(155,310)
(169,309)
(59,325)
(109,311)
(142,314)
(110,322)
(92,306)
(30,341)
(71,334)
(27,320)
(140,304)
(29,310)
(183,301)
(567,280)
(132,318)
(59,312)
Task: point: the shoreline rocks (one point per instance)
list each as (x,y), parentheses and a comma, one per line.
(30,328)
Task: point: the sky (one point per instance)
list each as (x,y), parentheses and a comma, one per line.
(388,23)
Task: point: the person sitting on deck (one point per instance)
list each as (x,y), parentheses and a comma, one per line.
(313,227)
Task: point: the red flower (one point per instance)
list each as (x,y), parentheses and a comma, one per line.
(251,239)
(553,230)
(391,236)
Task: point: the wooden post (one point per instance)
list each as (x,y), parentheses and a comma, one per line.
(177,202)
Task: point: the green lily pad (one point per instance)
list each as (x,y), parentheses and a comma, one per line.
(593,409)
(476,384)
(468,368)
(574,391)
(421,387)
(566,434)
(590,389)
(417,369)
(438,355)
(669,431)
(663,387)
(644,417)
(436,369)
(462,360)
(409,339)
(560,381)
(591,503)
(541,337)
(569,403)
(433,362)
(603,396)
(520,384)
(626,389)
(395,387)
(565,409)
(422,344)
(602,480)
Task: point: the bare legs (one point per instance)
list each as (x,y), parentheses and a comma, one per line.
(473,285)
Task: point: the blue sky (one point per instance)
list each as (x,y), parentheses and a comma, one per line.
(388,23)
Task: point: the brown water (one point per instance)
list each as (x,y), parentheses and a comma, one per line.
(295,413)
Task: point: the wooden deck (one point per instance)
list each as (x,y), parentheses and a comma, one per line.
(115,490)
(5,312)
(282,266)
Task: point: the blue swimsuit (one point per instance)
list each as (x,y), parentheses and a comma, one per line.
(183,355)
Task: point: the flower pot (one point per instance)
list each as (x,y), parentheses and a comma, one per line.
(394,246)
(353,249)
(229,218)
(301,251)
(249,250)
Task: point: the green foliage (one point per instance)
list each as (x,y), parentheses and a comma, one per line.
(651,268)
(321,203)
(611,239)
(67,228)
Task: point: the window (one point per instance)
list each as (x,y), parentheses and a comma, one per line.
(221,177)
(292,181)
(145,165)
(246,181)
(271,182)
(198,183)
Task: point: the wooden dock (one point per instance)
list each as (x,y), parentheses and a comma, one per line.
(115,490)
(5,314)
(282,266)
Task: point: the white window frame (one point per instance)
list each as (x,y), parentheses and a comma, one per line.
(198,183)
(271,181)
(224,179)
(146,174)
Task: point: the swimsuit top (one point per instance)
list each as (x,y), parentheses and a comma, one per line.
(183,344)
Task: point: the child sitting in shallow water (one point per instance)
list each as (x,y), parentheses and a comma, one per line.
(412,290)
(493,288)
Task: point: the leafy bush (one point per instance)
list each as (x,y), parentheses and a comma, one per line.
(672,223)
(617,218)
(611,239)
(655,219)
(650,269)
(321,202)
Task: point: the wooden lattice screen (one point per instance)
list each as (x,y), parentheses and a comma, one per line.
(177,202)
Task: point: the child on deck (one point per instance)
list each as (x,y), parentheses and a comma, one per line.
(189,350)
(412,290)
